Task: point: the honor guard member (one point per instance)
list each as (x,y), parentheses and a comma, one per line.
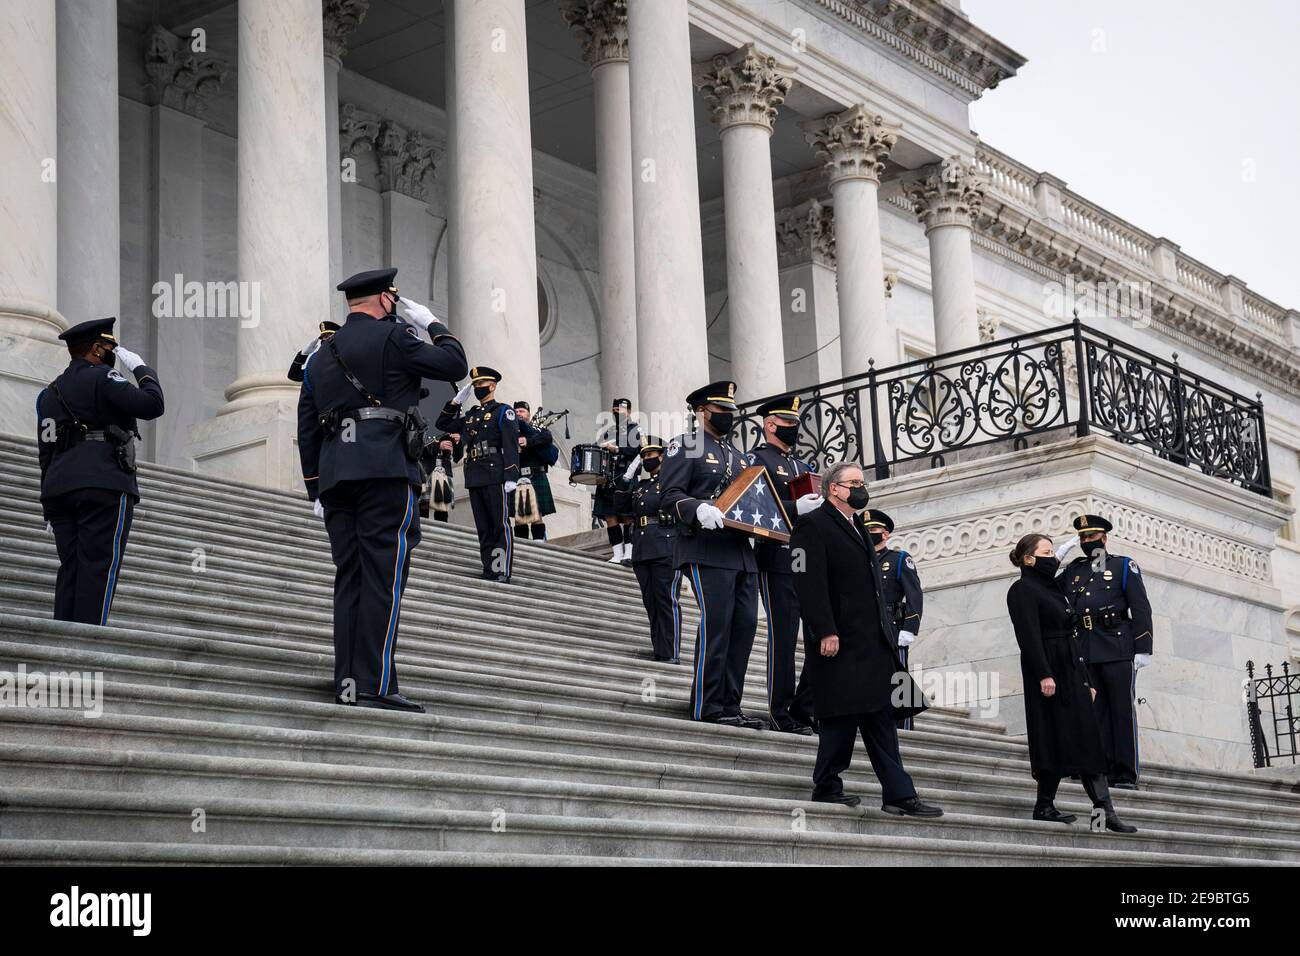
(901,586)
(623,437)
(775,581)
(490,439)
(1110,597)
(86,432)
(718,561)
(360,436)
(437,493)
(537,452)
(654,537)
(326,329)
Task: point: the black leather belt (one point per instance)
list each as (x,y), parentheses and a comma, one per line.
(365,414)
(663,522)
(478,451)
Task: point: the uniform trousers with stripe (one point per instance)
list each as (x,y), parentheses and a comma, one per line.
(782,607)
(835,739)
(90,531)
(373,526)
(728,601)
(661,594)
(496,542)
(1116,683)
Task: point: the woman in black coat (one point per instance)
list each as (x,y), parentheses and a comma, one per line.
(1064,737)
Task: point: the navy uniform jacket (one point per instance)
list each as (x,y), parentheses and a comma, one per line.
(773,556)
(98,396)
(653,537)
(534,459)
(489,440)
(697,468)
(390,358)
(1116,593)
(901,586)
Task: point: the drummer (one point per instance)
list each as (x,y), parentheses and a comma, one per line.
(622,438)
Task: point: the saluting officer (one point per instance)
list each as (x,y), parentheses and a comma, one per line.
(654,537)
(901,586)
(324,331)
(86,432)
(360,438)
(775,580)
(718,562)
(490,440)
(1110,597)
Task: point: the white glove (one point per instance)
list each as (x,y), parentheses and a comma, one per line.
(807,503)
(318,508)
(905,638)
(708,516)
(49,528)
(417,313)
(463,393)
(1141,660)
(511,486)
(312,345)
(632,469)
(130,361)
(1066,548)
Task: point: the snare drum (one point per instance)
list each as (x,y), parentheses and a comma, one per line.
(591,465)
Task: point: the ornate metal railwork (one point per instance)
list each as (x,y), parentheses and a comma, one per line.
(1271,704)
(1071,377)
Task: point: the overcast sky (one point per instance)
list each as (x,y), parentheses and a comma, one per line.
(1180,116)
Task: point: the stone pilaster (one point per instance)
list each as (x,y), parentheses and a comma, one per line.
(806,233)
(810,316)
(744,89)
(179,77)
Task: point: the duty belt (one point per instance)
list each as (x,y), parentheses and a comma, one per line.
(479,451)
(1106,617)
(365,414)
(662,521)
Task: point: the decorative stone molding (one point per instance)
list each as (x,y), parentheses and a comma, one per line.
(744,87)
(949,193)
(998,533)
(806,233)
(601,25)
(891,280)
(179,78)
(340,18)
(854,144)
(406,158)
(988,324)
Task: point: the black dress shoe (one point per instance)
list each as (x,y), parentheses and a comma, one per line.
(667,660)
(1052,815)
(803,730)
(912,807)
(753,723)
(389,702)
(502,579)
(1123,785)
(1115,825)
(725,720)
(848,799)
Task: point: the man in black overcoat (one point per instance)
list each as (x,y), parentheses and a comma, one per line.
(858,683)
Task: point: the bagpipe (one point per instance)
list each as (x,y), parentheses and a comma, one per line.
(526,507)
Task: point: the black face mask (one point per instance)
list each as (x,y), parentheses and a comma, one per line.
(1048,565)
(787,434)
(109,358)
(1089,547)
(722,422)
(651,464)
(481,392)
(858,498)
(876,537)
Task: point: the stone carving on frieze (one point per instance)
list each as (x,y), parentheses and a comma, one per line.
(406,158)
(806,233)
(180,77)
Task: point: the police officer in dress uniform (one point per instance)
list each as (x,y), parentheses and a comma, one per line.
(654,538)
(325,330)
(490,439)
(86,432)
(360,437)
(1110,597)
(775,580)
(718,561)
(901,586)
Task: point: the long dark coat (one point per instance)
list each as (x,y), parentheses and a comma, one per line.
(839,593)
(1064,738)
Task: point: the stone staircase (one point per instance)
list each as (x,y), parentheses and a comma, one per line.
(551,736)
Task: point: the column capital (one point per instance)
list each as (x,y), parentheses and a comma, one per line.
(744,87)
(854,144)
(949,193)
(179,77)
(406,158)
(339,19)
(806,233)
(602,27)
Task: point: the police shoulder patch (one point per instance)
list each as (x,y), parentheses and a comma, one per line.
(674,447)
(115,376)
(410,330)
(510,414)
(1132,566)
(910,563)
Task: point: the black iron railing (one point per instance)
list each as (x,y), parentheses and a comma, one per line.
(1272,702)
(1070,377)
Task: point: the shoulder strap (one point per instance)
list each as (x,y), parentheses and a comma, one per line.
(368,395)
(1123,579)
(898,565)
(54,387)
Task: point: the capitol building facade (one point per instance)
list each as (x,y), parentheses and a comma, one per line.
(632,198)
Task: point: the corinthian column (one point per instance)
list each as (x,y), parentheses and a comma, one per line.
(854,145)
(743,89)
(340,18)
(947,198)
(493,281)
(671,338)
(602,27)
(28,210)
